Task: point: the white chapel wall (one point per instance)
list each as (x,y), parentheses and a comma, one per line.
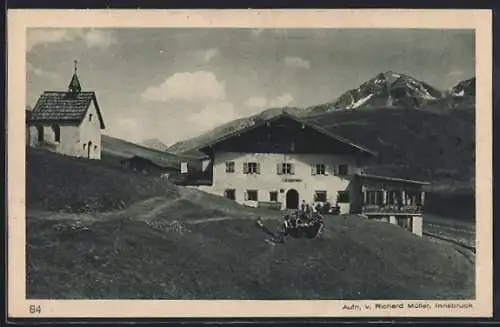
(90,131)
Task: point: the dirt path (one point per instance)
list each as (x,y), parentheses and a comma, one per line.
(201,221)
(152,208)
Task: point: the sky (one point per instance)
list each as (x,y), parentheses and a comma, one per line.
(173,84)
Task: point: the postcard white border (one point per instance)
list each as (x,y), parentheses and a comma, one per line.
(19,20)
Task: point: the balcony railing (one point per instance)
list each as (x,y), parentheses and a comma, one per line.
(388,208)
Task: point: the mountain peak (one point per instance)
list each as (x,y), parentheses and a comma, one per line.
(464,88)
(386,89)
(392,74)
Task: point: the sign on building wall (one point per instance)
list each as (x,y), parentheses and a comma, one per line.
(184,167)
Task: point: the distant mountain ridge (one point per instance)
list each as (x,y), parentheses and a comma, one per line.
(189,146)
(155,144)
(465,88)
(387,90)
(423,133)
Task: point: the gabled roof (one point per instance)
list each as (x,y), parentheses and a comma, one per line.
(392,179)
(293,117)
(56,106)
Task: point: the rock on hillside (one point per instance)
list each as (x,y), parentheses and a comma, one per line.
(387,89)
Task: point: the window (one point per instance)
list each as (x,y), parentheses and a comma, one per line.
(343,197)
(273,196)
(84,146)
(342,170)
(39,130)
(90,117)
(57,133)
(374,197)
(230,167)
(230,194)
(320,196)
(285,169)
(320,169)
(251,195)
(251,168)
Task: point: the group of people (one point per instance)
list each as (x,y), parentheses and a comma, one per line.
(304,217)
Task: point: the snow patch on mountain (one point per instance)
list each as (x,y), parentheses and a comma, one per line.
(360,102)
(464,88)
(389,89)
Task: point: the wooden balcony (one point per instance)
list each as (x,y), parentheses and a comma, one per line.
(392,209)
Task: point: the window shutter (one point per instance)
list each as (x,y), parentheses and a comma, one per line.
(258,167)
(292,169)
(278,169)
(313,169)
(245,168)
(246,195)
(326,169)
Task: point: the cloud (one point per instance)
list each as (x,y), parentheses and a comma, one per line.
(92,38)
(297,62)
(210,53)
(98,39)
(126,127)
(256,102)
(38,71)
(261,102)
(456,73)
(281,101)
(199,86)
(212,115)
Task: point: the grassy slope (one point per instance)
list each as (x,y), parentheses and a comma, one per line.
(160,247)
(63,183)
(123,149)
(230,259)
(411,143)
(425,145)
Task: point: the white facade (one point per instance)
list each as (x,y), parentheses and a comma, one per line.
(305,180)
(82,140)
